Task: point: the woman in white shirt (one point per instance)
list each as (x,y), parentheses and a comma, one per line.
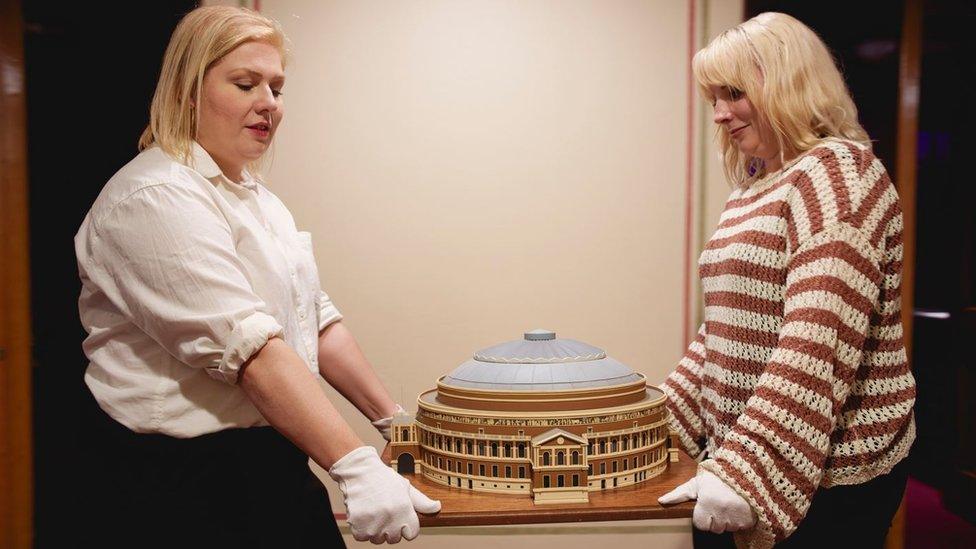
(206,324)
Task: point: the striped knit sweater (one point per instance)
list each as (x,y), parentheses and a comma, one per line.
(798,378)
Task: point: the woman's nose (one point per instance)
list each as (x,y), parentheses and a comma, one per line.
(721,113)
(266,100)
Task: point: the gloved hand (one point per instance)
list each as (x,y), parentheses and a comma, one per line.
(381,506)
(383,424)
(719,508)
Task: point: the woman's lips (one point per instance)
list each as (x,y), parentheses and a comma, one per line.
(739,129)
(259,130)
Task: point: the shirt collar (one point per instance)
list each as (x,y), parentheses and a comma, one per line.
(203,162)
(205,165)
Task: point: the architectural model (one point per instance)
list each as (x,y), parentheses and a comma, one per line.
(554,419)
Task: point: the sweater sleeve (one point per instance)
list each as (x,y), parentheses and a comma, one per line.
(774,455)
(683,388)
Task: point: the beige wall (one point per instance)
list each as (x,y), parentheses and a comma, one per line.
(711,188)
(470,170)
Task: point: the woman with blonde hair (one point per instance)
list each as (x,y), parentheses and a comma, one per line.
(206,323)
(797,391)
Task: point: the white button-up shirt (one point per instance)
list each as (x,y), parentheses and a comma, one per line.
(185,275)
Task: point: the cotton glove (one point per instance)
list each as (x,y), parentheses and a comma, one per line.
(684,492)
(381,506)
(383,424)
(719,508)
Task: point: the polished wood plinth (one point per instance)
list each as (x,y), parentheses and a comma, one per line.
(460,507)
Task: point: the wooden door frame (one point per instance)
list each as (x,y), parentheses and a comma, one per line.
(16,452)
(906,168)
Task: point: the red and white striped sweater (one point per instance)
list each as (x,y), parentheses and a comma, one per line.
(798,378)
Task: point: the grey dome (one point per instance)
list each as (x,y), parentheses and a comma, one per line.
(540,362)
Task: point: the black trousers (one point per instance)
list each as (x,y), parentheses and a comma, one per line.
(843,516)
(234,488)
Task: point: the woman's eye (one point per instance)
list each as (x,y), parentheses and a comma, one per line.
(735,94)
(276,93)
(244,87)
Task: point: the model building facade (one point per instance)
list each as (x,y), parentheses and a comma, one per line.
(549,418)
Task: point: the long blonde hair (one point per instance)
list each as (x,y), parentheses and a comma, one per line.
(791,79)
(203,37)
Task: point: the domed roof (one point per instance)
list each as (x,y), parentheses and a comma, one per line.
(540,362)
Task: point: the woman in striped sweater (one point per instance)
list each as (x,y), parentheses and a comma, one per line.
(797,390)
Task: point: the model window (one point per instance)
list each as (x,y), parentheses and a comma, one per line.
(507,450)
(481,448)
(560,458)
(590,449)
(470,451)
(575,457)
(613,445)
(635,463)
(405,434)
(494,449)
(521,448)
(545,481)
(614,466)
(470,467)
(508,472)
(521,472)
(481,470)
(589,469)
(545,458)
(603,446)
(494,470)
(603,468)
(575,480)
(560,482)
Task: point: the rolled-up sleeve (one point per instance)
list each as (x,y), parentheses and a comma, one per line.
(328,313)
(167,260)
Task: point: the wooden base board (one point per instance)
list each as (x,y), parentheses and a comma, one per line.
(461,507)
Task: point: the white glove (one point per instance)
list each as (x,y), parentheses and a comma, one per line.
(684,492)
(719,508)
(381,506)
(383,424)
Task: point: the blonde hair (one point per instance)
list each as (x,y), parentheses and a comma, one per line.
(791,79)
(202,38)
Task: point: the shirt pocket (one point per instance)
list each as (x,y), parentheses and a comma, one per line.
(306,262)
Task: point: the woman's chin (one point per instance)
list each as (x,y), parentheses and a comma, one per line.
(254,153)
